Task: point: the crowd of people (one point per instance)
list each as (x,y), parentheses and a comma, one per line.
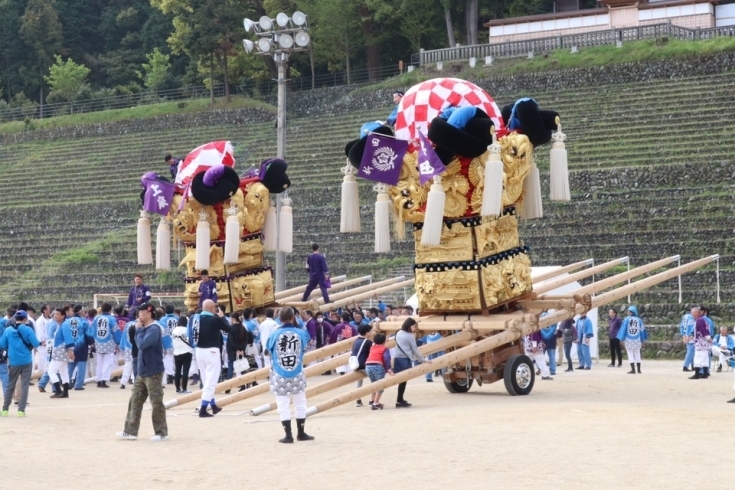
(161,347)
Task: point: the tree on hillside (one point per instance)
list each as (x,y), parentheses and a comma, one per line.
(66,79)
(41,31)
(13,51)
(156,70)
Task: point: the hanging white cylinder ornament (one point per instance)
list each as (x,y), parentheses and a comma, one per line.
(382,219)
(559,168)
(431,233)
(492,193)
(270,229)
(232,236)
(285,226)
(532,206)
(163,246)
(350,210)
(202,244)
(145,254)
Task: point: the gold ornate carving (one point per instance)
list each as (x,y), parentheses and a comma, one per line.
(456,188)
(253,291)
(507,280)
(409,195)
(496,235)
(451,290)
(185,221)
(250,257)
(256,204)
(216,261)
(455,246)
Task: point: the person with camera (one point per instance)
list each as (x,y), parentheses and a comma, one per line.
(19,340)
(209,353)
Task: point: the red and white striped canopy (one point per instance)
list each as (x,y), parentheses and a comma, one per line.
(426,100)
(204,157)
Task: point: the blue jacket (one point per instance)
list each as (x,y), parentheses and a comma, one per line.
(63,335)
(104,327)
(730,342)
(632,329)
(14,340)
(252,326)
(125,338)
(83,336)
(711,325)
(166,340)
(150,349)
(193,330)
(686,327)
(584,329)
(286,345)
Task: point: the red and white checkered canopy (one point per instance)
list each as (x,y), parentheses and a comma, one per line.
(202,158)
(425,101)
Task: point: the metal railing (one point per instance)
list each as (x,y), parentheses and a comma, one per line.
(511,49)
(259,89)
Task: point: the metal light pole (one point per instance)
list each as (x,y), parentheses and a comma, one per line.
(279,38)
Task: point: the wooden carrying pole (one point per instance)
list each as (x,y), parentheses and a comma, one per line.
(547,286)
(317,292)
(115,373)
(366,295)
(350,294)
(518,330)
(316,369)
(301,289)
(618,278)
(440,362)
(332,384)
(561,270)
(435,323)
(263,373)
(118,372)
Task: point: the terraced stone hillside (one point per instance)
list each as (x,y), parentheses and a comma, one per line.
(651,166)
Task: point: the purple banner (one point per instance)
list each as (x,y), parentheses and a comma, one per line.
(382,159)
(429,162)
(158,196)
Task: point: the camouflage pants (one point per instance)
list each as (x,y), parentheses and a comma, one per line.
(144,387)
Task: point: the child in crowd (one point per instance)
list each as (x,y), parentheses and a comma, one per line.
(377,364)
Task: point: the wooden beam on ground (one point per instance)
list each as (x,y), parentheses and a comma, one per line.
(301,289)
(332,384)
(335,287)
(263,373)
(352,293)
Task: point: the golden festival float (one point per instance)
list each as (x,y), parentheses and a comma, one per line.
(462,173)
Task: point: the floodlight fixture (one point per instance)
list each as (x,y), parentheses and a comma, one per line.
(264,45)
(248,24)
(265,23)
(282,19)
(285,41)
(302,39)
(248,45)
(299,18)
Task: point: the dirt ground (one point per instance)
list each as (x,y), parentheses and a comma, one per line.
(588,429)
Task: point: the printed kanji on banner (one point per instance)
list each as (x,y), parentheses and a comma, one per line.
(382,159)
(429,162)
(158,196)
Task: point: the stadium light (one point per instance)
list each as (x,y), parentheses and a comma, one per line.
(279,38)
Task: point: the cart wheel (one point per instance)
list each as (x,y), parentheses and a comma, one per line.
(519,375)
(462,385)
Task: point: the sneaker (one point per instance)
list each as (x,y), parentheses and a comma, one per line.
(569,370)
(686,369)
(125,436)
(158,438)
(429,380)
(186,392)
(21,414)
(82,388)
(547,378)
(370,403)
(179,392)
(375,407)
(42,389)
(403,404)
(122,387)
(358,403)
(4,413)
(611,365)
